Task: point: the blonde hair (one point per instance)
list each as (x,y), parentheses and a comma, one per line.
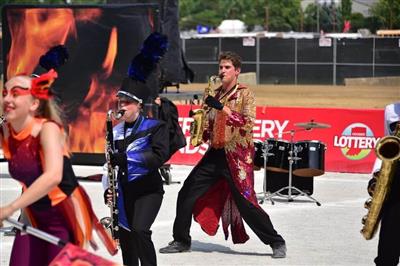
(50,110)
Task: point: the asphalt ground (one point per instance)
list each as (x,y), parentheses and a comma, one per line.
(315,235)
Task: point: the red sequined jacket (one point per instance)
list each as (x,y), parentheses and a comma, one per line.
(235,135)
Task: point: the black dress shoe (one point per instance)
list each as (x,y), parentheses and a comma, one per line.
(278,251)
(175,247)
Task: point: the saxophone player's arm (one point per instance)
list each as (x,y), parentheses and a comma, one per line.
(245,118)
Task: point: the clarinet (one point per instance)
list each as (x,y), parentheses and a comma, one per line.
(111,223)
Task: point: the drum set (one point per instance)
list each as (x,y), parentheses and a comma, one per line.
(304,158)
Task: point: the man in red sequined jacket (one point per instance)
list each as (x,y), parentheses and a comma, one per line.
(221,185)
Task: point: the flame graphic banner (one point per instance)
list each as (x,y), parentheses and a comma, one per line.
(101,41)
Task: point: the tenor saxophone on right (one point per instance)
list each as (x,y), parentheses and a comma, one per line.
(388,150)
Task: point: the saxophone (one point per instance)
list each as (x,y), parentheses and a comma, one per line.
(388,150)
(111,223)
(198,125)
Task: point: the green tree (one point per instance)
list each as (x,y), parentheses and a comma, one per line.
(345,9)
(211,13)
(194,12)
(357,21)
(327,17)
(387,13)
(284,15)
(310,18)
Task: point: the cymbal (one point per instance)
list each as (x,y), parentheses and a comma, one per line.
(312,124)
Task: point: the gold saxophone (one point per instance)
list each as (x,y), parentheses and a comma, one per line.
(111,222)
(388,150)
(198,115)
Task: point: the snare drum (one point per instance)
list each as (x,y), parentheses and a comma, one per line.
(311,154)
(278,151)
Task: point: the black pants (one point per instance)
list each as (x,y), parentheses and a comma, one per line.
(137,244)
(212,167)
(389,235)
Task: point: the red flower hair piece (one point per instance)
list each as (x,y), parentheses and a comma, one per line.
(40,87)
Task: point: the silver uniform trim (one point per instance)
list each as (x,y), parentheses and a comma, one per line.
(129,95)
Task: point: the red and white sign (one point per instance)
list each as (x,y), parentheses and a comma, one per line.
(349,142)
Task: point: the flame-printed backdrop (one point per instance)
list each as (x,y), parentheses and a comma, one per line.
(101,41)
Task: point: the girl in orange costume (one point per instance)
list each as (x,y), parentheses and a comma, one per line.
(34,145)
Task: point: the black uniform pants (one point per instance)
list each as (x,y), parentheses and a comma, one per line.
(137,244)
(205,174)
(389,235)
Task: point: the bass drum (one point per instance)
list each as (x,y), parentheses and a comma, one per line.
(311,162)
(278,153)
(258,154)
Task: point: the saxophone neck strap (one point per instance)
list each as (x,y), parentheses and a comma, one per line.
(229,92)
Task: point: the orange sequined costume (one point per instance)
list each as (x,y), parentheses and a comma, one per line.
(66,211)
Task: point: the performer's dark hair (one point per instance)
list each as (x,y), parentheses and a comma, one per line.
(233,57)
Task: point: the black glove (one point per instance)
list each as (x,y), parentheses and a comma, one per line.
(118,159)
(214,103)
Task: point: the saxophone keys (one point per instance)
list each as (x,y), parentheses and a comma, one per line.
(363,220)
(368,203)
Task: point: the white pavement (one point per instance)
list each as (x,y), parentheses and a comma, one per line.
(315,235)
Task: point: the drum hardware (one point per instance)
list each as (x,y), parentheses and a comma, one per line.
(292,158)
(265,153)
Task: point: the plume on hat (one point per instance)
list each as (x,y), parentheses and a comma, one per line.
(153,49)
(54,57)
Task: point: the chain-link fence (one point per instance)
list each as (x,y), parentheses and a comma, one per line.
(298,60)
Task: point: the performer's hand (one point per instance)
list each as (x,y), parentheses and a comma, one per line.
(214,103)
(5,212)
(118,158)
(227,111)
(107,196)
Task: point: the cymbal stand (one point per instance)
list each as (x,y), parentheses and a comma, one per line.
(266,153)
(292,158)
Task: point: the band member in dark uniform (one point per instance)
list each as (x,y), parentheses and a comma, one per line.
(141,147)
(221,186)
(389,235)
